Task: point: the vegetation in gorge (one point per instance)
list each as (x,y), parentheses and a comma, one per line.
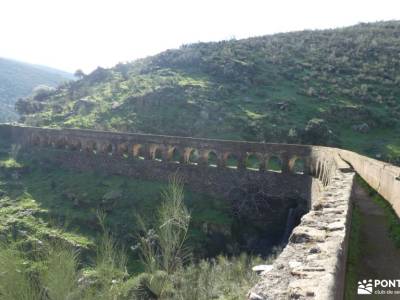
(33,251)
(52,220)
(332,87)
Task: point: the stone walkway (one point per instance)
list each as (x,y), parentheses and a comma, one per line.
(380,259)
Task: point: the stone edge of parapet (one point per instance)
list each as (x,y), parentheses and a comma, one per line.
(312,265)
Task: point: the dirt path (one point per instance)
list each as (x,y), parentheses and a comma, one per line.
(380,259)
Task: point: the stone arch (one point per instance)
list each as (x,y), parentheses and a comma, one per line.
(174,155)
(91,147)
(191,156)
(194,157)
(75,145)
(231,160)
(212,158)
(123,150)
(253,161)
(61,143)
(297,165)
(156,152)
(275,164)
(44,141)
(35,140)
(108,149)
(95,148)
(52,142)
(138,151)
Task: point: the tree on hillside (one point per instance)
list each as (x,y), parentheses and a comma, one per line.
(42,92)
(79,74)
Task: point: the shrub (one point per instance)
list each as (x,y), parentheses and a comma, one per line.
(15,282)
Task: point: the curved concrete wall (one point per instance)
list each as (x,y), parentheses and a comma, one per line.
(381,176)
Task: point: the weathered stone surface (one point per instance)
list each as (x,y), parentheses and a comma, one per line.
(312,265)
(302,234)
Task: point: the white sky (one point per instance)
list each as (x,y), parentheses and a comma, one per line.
(72,34)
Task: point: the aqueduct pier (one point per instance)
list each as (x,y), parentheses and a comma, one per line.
(312,265)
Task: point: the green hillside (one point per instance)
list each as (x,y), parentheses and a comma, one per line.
(18,79)
(332,87)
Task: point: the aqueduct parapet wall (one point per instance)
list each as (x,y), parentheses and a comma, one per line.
(312,265)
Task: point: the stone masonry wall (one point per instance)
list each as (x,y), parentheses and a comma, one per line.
(312,265)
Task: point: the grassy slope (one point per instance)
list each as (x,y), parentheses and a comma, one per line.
(274,88)
(17,80)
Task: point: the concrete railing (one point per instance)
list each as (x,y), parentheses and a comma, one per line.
(381,176)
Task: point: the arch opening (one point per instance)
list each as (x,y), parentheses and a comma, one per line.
(61,144)
(212,159)
(75,145)
(123,151)
(36,140)
(175,156)
(44,141)
(94,148)
(108,149)
(138,151)
(253,162)
(193,158)
(298,166)
(231,161)
(53,143)
(158,155)
(91,147)
(274,164)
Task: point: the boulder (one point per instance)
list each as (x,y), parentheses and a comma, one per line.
(112,196)
(262,268)
(116,105)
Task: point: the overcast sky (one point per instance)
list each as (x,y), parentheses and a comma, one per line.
(72,34)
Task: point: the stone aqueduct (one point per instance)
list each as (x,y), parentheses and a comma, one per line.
(312,265)
(201,152)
